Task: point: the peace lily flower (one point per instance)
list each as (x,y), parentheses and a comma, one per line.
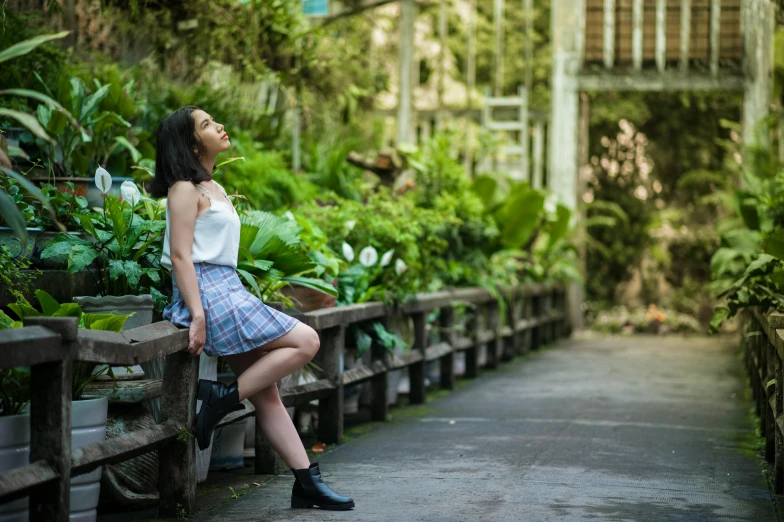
(103,180)
(130,192)
(400,266)
(368,256)
(387,257)
(348,252)
(288,215)
(350,225)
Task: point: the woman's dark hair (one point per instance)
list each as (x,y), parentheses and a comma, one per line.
(174,158)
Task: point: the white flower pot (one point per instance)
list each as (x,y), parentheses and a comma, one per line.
(228,446)
(88,425)
(14,452)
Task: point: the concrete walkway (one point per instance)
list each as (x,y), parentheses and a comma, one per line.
(618,429)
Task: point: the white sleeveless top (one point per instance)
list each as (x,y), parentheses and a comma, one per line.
(216,234)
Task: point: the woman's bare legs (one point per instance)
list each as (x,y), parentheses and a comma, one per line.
(286,354)
(271,415)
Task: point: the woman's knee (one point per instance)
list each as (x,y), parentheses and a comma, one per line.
(266,398)
(310,342)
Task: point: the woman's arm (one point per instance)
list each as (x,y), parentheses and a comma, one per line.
(183,208)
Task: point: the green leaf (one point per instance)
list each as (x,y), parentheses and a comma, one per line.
(26,46)
(561,226)
(133,271)
(29,121)
(748,211)
(13,218)
(43,98)
(86,222)
(135,154)
(80,257)
(519,217)
(93,102)
(48,303)
(23,310)
(761,265)
(107,322)
(69,310)
(719,315)
(774,244)
(313,283)
(251,281)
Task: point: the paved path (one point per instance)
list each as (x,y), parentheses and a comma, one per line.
(619,429)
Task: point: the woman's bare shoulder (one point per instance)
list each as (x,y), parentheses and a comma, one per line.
(183,193)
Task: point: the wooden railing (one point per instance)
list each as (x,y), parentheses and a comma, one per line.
(763,341)
(535,315)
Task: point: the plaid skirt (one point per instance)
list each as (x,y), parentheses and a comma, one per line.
(237,321)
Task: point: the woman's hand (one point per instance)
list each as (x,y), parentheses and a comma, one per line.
(197,336)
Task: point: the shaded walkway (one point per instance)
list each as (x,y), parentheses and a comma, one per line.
(641,429)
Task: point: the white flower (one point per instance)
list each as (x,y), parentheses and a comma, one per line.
(348,252)
(400,266)
(350,225)
(551,203)
(387,257)
(288,215)
(130,192)
(368,256)
(103,180)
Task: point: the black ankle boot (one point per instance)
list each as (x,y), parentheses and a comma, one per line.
(217,401)
(309,490)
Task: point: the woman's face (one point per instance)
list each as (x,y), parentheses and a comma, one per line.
(211,133)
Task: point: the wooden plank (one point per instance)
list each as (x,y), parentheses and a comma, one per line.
(715,26)
(668,81)
(661,35)
(609,34)
(113,348)
(506,331)
(637,34)
(19,482)
(464,343)
(437,351)
(150,332)
(126,392)
(124,447)
(404,360)
(344,315)
(685,34)
(427,302)
(358,375)
(485,336)
(29,346)
(304,393)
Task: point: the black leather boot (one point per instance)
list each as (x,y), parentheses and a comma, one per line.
(309,490)
(217,401)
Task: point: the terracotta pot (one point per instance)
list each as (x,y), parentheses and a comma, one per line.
(306,299)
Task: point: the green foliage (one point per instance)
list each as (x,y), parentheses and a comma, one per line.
(748,268)
(123,249)
(15,382)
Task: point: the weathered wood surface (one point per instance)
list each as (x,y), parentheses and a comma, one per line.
(437,351)
(304,393)
(126,392)
(29,346)
(124,447)
(114,348)
(332,317)
(18,482)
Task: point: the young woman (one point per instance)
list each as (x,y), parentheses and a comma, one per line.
(260,344)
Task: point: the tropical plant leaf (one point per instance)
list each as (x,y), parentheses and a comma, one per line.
(29,121)
(774,244)
(719,315)
(43,98)
(48,303)
(80,257)
(13,218)
(26,46)
(313,283)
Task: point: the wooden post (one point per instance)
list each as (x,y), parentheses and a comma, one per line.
(493,345)
(510,347)
(266,460)
(50,423)
(536,331)
(378,401)
(472,353)
(330,359)
(685,34)
(538,153)
(778,465)
(770,429)
(447,322)
(528,312)
(416,372)
(609,33)
(408,10)
(498,20)
(177,460)
(470,83)
(715,26)
(661,35)
(637,35)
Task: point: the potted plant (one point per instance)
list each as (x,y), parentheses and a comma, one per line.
(122,251)
(88,414)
